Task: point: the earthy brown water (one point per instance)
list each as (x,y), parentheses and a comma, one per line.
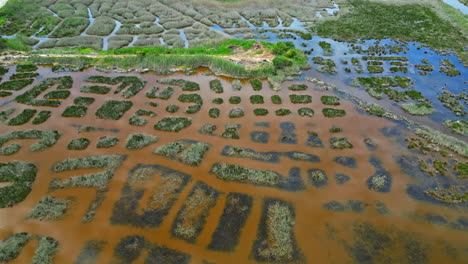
(322,236)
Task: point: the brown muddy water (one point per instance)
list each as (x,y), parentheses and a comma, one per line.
(160,210)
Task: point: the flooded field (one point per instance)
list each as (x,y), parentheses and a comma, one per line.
(142,168)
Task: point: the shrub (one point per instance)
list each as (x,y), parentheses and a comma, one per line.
(330,112)
(75,111)
(78,144)
(256,99)
(215,85)
(172,123)
(300,99)
(11,246)
(234,99)
(137,141)
(276,99)
(113,110)
(260,111)
(327,48)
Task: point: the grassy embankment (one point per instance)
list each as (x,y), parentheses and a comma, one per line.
(288,60)
(439,26)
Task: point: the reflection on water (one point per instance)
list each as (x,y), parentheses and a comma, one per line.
(280,197)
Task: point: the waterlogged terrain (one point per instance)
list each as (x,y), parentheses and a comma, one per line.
(103,167)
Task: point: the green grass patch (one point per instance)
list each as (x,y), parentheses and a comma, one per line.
(172,108)
(215,85)
(26,68)
(173,124)
(256,84)
(327,48)
(113,110)
(218,101)
(22,176)
(457,126)
(29,97)
(22,118)
(230,172)
(70,26)
(331,112)
(187,86)
(399,69)
(300,99)
(214,112)
(235,100)
(276,99)
(375,69)
(260,111)
(41,117)
(84,101)
(107,142)
(78,144)
(75,111)
(297,87)
(305,111)
(47,139)
(340,143)
(256,99)
(330,100)
(15,85)
(96,89)
(382,82)
(5,94)
(57,95)
(236,112)
(12,246)
(138,141)
(163,95)
(25,75)
(417,108)
(446,66)
(49,208)
(407,22)
(282,112)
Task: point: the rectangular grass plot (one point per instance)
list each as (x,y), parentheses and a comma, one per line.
(190,219)
(161,199)
(236,211)
(275,237)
